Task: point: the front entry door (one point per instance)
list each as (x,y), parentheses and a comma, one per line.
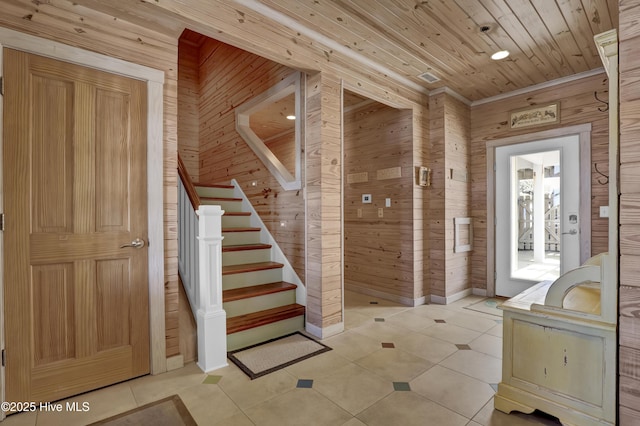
(537,212)
(74,177)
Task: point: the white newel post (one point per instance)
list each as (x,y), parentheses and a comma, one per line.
(211,318)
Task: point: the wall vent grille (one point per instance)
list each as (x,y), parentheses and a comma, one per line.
(428,77)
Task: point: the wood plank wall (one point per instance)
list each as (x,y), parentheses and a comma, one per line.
(228,78)
(188,103)
(324,204)
(378,252)
(457,116)
(450,196)
(437,199)
(490,121)
(629,297)
(421,202)
(66,22)
(283,147)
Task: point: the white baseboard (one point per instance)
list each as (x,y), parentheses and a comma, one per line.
(440,300)
(479,292)
(175,362)
(406,301)
(324,332)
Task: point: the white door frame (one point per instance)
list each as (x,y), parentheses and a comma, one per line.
(584,133)
(155,81)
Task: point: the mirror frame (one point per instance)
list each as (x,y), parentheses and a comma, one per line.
(289,85)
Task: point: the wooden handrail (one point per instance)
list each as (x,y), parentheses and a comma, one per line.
(188,184)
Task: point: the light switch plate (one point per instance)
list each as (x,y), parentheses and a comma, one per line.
(380,212)
(604,211)
(387,202)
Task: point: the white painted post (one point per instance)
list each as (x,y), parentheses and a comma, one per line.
(538,213)
(211,318)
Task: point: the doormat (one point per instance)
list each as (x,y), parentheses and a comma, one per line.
(169,411)
(275,354)
(487,306)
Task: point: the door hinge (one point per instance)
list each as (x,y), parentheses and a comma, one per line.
(3,358)
(1,221)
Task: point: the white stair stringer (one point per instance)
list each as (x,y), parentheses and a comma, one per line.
(288,273)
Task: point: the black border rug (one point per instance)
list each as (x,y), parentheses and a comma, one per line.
(285,362)
(169,411)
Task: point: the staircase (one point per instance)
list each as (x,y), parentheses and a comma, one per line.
(260,306)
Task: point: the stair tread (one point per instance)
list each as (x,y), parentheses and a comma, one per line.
(260,318)
(220,199)
(243,247)
(213,185)
(250,267)
(256,290)
(241,229)
(237,213)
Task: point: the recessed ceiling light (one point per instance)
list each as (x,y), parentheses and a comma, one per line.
(500,55)
(291,117)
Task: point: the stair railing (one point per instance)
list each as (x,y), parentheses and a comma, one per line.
(200,267)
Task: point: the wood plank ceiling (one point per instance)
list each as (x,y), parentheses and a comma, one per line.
(402,39)
(547,39)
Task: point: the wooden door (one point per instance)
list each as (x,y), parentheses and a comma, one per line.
(74,172)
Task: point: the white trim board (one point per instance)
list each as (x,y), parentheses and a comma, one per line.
(405,301)
(506,95)
(440,300)
(324,332)
(540,86)
(155,204)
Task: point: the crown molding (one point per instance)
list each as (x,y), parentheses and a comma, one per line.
(540,86)
(451,93)
(285,20)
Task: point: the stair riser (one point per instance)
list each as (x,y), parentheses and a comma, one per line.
(227,206)
(238,238)
(259,303)
(236,221)
(247,279)
(245,256)
(252,336)
(214,192)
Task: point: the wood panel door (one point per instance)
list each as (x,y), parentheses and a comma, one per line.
(74,173)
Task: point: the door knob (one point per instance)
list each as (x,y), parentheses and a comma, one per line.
(571,232)
(137,243)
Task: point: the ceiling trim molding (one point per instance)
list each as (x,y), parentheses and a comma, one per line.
(449,91)
(283,19)
(545,85)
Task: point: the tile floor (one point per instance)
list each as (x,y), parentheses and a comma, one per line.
(393,365)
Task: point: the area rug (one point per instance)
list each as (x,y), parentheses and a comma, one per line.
(275,354)
(169,411)
(487,306)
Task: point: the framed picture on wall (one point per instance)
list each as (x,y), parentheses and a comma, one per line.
(535,116)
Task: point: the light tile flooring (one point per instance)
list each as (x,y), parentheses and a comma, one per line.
(442,370)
